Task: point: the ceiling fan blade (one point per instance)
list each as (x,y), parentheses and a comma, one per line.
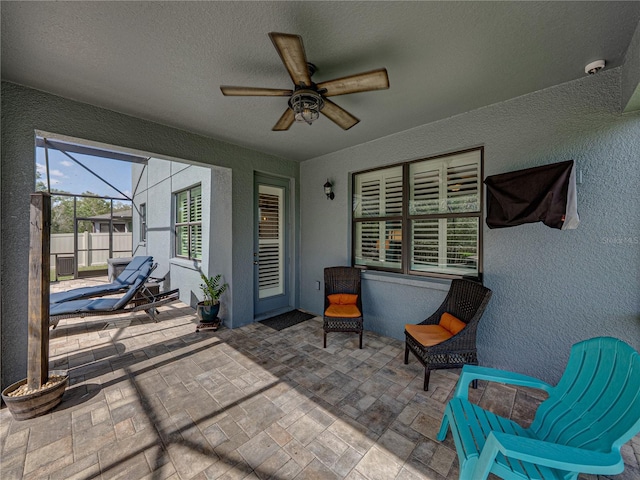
(338,115)
(285,121)
(361,82)
(255,92)
(292,54)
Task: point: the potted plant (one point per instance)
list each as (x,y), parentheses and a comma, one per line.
(212,289)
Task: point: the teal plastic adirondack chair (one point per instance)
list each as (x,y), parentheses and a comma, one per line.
(579,428)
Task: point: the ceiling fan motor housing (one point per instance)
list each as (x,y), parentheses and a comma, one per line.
(306,105)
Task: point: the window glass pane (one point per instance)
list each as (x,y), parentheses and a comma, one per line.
(462,185)
(195,212)
(424,244)
(196,241)
(447,185)
(182,241)
(462,243)
(271,241)
(445,245)
(269,208)
(425,188)
(378,193)
(379,244)
(143,222)
(182,207)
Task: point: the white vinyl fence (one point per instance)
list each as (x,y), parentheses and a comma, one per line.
(93,248)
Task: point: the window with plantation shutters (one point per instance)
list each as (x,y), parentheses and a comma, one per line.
(421,217)
(378,216)
(188,224)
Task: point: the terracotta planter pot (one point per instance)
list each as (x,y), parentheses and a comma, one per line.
(33,404)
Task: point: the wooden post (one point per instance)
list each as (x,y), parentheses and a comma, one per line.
(39,273)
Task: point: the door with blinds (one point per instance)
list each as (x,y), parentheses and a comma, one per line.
(271,248)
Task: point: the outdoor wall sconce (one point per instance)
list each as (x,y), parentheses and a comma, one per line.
(328,190)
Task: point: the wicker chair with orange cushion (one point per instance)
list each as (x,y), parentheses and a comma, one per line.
(342,301)
(447,339)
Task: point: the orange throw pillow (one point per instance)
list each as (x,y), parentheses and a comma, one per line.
(451,323)
(343,299)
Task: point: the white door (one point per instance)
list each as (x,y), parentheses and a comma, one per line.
(271,250)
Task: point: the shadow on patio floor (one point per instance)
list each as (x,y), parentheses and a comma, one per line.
(157,400)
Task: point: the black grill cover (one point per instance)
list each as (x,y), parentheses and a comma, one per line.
(544,194)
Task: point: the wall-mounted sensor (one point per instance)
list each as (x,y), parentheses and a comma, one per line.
(594,67)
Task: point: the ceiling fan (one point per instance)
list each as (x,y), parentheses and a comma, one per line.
(307,99)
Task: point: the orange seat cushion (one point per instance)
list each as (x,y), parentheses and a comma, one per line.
(451,323)
(342,311)
(343,298)
(428,335)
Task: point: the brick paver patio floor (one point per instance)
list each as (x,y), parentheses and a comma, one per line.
(159,401)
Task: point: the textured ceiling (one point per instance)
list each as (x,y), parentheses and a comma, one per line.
(165,61)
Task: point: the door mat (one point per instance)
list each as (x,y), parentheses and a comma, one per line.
(286,320)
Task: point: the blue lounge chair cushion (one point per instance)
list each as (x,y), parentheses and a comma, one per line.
(137,267)
(97,304)
(80,306)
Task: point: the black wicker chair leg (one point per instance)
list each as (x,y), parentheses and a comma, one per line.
(427,374)
(406,354)
(325,340)
(474,384)
(360,339)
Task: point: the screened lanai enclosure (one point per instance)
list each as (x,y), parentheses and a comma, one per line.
(91,207)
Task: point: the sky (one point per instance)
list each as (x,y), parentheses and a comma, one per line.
(67,175)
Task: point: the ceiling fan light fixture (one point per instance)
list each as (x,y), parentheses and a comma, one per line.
(306,105)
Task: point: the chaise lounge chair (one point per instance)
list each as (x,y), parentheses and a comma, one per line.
(138,267)
(137,298)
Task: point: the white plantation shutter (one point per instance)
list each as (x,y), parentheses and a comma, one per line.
(182,207)
(369,235)
(462,242)
(425,189)
(378,195)
(370,198)
(391,247)
(269,234)
(442,217)
(182,217)
(271,275)
(425,244)
(463,183)
(189,223)
(196,217)
(448,185)
(393,193)
(195,213)
(196,241)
